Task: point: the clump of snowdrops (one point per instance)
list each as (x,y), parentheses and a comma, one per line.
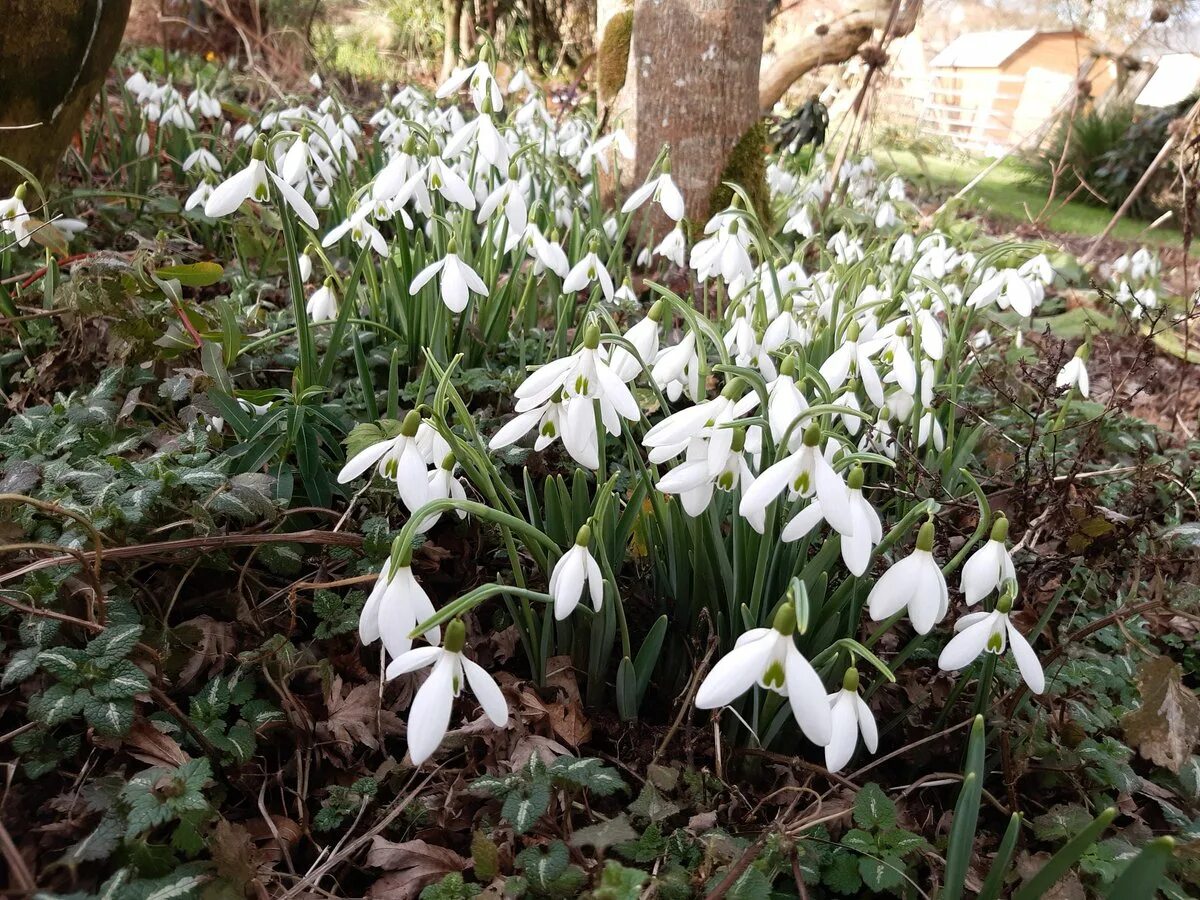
(731,449)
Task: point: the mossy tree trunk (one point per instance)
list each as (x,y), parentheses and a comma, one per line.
(54,55)
(691,81)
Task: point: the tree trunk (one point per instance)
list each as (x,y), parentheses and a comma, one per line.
(451,19)
(691,83)
(54,55)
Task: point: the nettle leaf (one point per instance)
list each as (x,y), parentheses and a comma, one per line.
(100,844)
(114,642)
(860,841)
(109,717)
(23,664)
(873,809)
(523,807)
(899,842)
(496,787)
(57,704)
(587,773)
(750,885)
(64,663)
(38,631)
(242,741)
(282,559)
(619,883)
(1061,822)
(123,680)
(259,712)
(882,873)
(652,805)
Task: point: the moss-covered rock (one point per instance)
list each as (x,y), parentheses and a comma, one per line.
(747,167)
(613,56)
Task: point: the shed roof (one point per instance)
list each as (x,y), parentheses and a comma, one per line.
(986,49)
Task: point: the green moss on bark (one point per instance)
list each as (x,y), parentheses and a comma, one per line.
(747,167)
(613,56)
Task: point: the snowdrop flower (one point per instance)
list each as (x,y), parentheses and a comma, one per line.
(992,632)
(588,271)
(583,375)
(576,569)
(141,144)
(203,160)
(551,421)
(785,402)
(360,229)
(866,529)
(510,199)
(481,82)
(429,716)
(396,605)
(724,251)
(800,223)
(916,582)
(323,304)
(989,567)
(400,459)
(849,716)
(708,421)
(804,473)
(481,134)
(770,658)
(547,254)
(673,247)
(1006,288)
(855,355)
(678,370)
(1074,374)
(695,484)
(644,338)
(662,190)
(199,196)
(444,180)
(617,140)
(885,216)
(251,184)
(457,283)
(305,264)
(15,218)
(443,485)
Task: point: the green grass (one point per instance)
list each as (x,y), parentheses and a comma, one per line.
(1007,194)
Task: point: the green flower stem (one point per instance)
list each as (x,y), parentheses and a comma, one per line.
(473,598)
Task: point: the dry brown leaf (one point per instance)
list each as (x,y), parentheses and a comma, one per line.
(411,866)
(233,851)
(149,745)
(1166,727)
(355,717)
(211,643)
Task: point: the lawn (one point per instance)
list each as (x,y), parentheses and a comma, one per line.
(1007,193)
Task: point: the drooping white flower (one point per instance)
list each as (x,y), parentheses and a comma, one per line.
(203,160)
(400,459)
(992,632)
(644,338)
(547,253)
(1006,288)
(662,190)
(678,370)
(866,529)
(854,355)
(509,199)
(15,218)
(552,422)
(673,246)
(915,582)
(709,421)
(361,230)
(443,485)
(429,716)
(575,570)
(457,283)
(323,304)
(1075,374)
(695,484)
(770,658)
(850,716)
(251,183)
(583,374)
(588,271)
(396,605)
(481,82)
(803,473)
(990,567)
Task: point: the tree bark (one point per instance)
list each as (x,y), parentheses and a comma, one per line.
(451,21)
(691,83)
(54,55)
(829,44)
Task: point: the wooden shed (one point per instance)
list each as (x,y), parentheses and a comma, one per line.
(990,90)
